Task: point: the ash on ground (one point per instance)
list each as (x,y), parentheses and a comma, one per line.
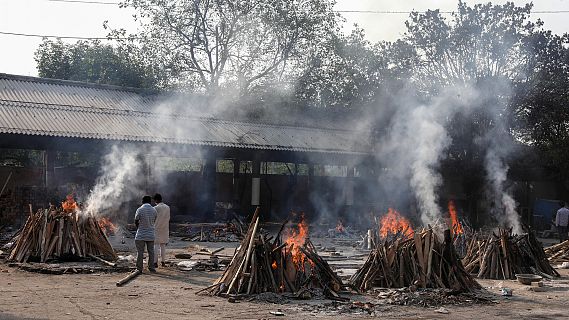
(382,300)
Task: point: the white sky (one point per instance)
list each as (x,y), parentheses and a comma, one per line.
(46,17)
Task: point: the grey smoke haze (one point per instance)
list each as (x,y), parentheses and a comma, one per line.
(504,205)
(118,181)
(499,146)
(414,146)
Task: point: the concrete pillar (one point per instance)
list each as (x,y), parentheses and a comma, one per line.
(349,187)
(310,173)
(256,184)
(236,195)
(209,183)
(49,168)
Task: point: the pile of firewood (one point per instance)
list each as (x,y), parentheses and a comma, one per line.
(51,233)
(503,255)
(558,253)
(421,260)
(261,265)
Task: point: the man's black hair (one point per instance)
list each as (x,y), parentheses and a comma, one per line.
(146,199)
(158,197)
(562,204)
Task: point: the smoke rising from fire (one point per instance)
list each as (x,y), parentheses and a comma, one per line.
(503,206)
(414,146)
(118,182)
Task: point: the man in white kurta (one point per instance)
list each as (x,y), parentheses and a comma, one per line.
(161,229)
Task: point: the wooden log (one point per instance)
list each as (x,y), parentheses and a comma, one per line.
(108,263)
(243,264)
(128,278)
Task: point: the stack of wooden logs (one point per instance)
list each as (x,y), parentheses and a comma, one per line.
(503,255)
(558,253)
(50,233)
(261,265)
(423,261)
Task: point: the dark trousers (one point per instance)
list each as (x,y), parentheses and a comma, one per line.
(562,233)
(140,244)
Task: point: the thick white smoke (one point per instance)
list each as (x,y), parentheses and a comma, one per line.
(415,144)
(119,181)
(504,205)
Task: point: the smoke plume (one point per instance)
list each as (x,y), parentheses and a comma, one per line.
(415,143)
(119,181)
(504,205)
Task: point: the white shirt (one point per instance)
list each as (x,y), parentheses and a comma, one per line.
(162,224)
(562,218)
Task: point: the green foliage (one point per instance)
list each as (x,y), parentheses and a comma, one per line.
(93,62)
(541,102)
(483,41)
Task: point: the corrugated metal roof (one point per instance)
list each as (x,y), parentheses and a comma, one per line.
(69,109)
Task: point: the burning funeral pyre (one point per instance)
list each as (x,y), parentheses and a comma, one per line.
(292,265)
(419,259)
(54,233)
(394,224)
(460,230)
(503,255)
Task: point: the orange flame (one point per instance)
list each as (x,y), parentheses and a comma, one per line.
(296,238)
(340,227)
(274,265)
(456,226)
(393,222)
(106,225)
(69,205)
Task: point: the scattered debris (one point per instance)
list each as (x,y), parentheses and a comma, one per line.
(186,265)
(558,253)
(527,279)
(183,256)
(430,297)
(270,297)
(507,292)
(211,232)
(78,267)
(442,310)
(200,265)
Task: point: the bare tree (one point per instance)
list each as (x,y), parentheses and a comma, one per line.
(210,44)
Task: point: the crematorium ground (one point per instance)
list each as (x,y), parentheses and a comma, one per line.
(170,294)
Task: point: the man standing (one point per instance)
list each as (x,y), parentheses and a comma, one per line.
(144,220)
(562,220)
(162,229)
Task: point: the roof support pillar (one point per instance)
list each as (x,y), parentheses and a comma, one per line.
(256,184)
(49,168)
(236,199)
(349,187)
(209,181)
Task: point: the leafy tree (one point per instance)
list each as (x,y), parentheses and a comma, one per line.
(93,62)
(349,71)
(210,44)
(541,100)
(483,41)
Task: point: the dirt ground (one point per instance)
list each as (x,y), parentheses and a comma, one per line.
(170,294)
